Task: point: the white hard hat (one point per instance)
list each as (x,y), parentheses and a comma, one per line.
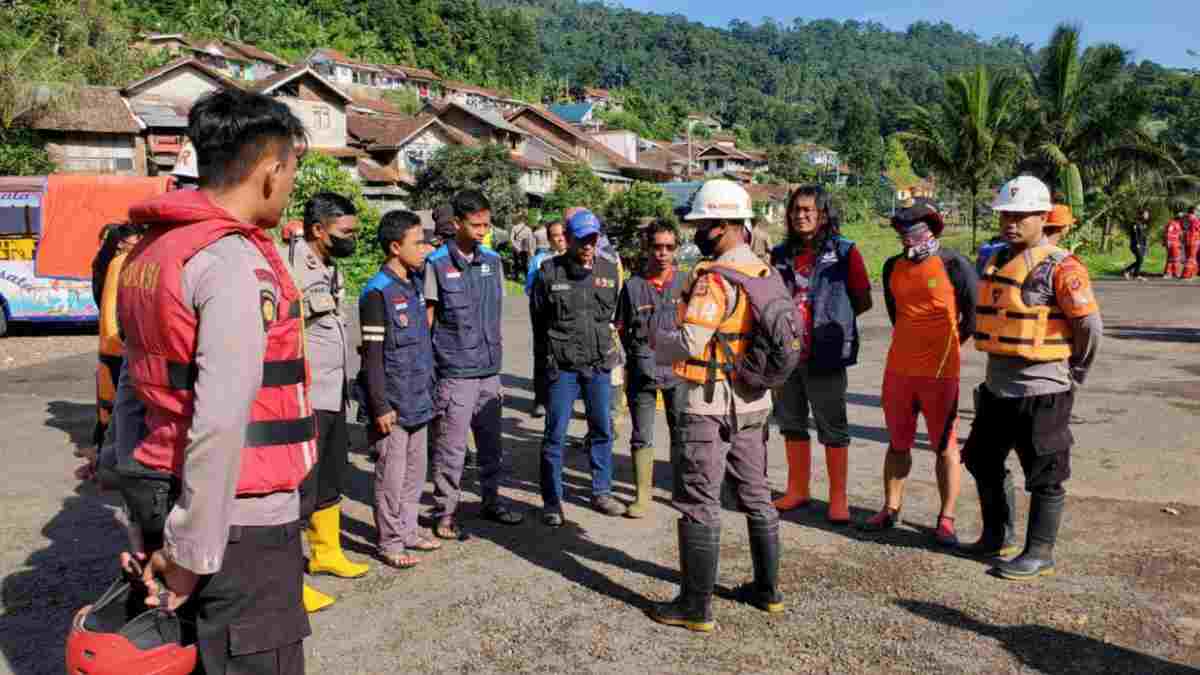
(721,199)
(186,165)
(1023,194)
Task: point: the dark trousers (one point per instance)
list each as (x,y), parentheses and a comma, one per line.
(322,487)
(712,451)
(1037,427)
(596,390)
(540,383)
(643,407)
(249,616)
(1139,256)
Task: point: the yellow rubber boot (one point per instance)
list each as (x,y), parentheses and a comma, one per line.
(799,456)
(643,471)
(314,600)
(325,545)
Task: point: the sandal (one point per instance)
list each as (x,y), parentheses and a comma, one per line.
(499,514)
(399,560)
(426,545)
(446,528)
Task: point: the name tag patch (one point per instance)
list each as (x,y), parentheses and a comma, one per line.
(485,270)
(560,287)
(453,275)
(829,257)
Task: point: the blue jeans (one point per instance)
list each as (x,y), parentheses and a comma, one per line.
(565,387)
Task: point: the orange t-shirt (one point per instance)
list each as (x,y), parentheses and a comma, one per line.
(925,338)
(1073,289)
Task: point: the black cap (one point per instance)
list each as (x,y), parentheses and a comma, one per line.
(920,212)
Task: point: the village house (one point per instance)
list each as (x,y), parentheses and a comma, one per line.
(162,99)
(320,105)
(94,132)
(601,98)
(480,98)
(703,120)
(403,144)
(770,200)
(424,83)
(725,159)
(236,60)
(556,132)
(484,125)
(580,115)
(342,70)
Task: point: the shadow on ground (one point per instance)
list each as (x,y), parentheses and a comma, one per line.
(1050,650)
(72,570)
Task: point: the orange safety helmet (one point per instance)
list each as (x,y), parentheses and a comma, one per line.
(104,640)
(1060,218)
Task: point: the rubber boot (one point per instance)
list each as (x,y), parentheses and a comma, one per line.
(1037,560)
(998,507)
(837,464)
(799,456)
(314,600)
(643,472)
(325,545)
(763,593)
(699,548)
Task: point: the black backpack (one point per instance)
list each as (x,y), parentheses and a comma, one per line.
(777,341)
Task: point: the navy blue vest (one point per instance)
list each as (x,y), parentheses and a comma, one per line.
(466,327)
(652,312)
(407,352)
(835,326)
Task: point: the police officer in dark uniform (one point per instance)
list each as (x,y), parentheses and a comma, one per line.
(574,299)
(647,305)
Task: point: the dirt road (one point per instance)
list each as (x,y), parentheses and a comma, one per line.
(528,599)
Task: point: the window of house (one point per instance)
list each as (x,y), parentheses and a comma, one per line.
(321,118)
(720,164)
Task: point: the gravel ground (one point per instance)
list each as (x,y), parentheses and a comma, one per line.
(27,345)
(531,600)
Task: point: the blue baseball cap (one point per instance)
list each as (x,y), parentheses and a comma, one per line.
(583,224)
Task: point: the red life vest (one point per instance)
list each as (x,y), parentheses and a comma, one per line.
(160,345)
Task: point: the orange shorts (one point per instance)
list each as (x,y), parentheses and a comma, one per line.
(906,396)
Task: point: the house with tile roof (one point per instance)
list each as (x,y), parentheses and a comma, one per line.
(94,132)
(235,60)
(403,144)
(345,71)
(426,84)
(582,114)
(318,103)
(725,159)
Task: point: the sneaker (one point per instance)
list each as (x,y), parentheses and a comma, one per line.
(884,520)
(539,411)
(945,535)
(552,519)
(608,505)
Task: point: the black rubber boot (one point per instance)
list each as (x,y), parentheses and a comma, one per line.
(1045,515)
(998,506)
(699,549)
(763,592)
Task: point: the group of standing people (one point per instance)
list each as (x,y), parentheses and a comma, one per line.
(1182,240)
(230,409)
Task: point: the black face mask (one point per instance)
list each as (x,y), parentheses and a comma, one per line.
(341,247)
(704,241)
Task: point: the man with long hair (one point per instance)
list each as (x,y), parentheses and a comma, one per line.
(828,280)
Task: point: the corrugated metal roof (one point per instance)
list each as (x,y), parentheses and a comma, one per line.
(681,194)
(572,112)
(157,115)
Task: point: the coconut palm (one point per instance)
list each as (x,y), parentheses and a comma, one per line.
(1085,116)
(968,138)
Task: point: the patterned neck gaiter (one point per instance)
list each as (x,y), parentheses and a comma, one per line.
(919,242)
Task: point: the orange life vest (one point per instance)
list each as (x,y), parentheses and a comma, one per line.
(160,340)
(1006,326)
(733,332)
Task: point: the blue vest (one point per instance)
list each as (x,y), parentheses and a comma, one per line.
(466,327)
(407,351)
(834,324)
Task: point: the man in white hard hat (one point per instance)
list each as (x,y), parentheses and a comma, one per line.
(723,423)
(1039,323)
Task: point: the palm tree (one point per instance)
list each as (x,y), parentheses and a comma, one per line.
(1084,116)
(968,138)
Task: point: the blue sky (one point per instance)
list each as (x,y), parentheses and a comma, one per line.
(1160,30)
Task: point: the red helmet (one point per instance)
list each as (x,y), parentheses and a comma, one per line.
(105,641)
